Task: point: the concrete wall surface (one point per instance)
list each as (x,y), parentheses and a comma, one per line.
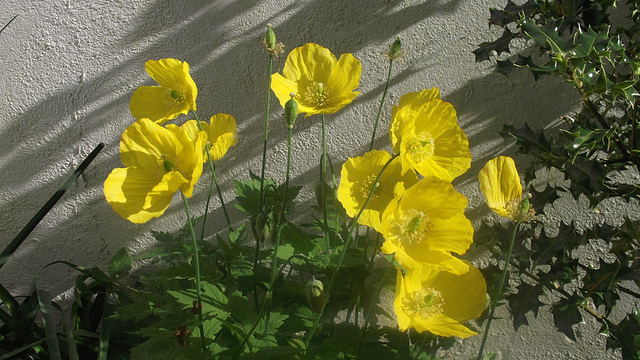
(69,68)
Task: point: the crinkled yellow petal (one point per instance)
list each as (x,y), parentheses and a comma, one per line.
(174,74)
(357,177)
(176,94)
(222,135)
(441,226)
(446,154)
(444,326)
(309,66)
(404,321)
(139,197)
(454,299)
(283,87)
(500,183)
(466,293)
(155,103)
(309,62)
(144,142)
(405,113)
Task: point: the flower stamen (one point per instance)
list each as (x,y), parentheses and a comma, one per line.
(316,94)
(423,303)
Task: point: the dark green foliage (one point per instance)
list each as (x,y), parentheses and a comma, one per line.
(596,152)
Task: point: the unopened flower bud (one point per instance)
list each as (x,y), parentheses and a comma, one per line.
(291,111)
(396,47)
(270,38)
(315,294)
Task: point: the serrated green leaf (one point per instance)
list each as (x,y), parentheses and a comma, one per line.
(500,45)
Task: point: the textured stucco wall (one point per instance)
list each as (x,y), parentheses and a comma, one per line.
(69,68)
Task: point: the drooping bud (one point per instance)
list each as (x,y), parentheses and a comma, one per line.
(315,294)
(270,39)
(291,111)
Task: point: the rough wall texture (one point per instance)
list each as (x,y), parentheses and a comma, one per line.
(69,68)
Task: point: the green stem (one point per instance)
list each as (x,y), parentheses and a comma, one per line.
(495,299)
(323,189)
(266,132)
(384,95)
(346,246)
(366,317)
(197,267)
(214,180)
(284,201)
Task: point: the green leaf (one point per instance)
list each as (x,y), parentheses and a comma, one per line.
(53,346)
(565,315)
(545,35)
(524,301)
(500,45)
(120,263)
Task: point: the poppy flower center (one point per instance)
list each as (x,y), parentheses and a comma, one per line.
(421,147)
(411,228)
(423,303)
(363,188)
(316,94)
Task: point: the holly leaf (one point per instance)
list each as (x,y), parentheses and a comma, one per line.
(565,315)
(500,45)
(524,301)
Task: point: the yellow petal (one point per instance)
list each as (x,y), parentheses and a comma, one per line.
(176,94)
(139,197)
(500,183)
(404,114)
(403,319)
(283,87)
(222,135)
(445,326)
(174,74)
(310,62)
(155,103)
(466,293)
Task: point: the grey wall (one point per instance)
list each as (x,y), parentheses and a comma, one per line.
(69,68)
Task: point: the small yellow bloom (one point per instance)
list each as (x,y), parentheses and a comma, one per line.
(322,83)
(425,131)
(357,177)
(425,224)
(221,134)
(439,301)
(158,162)
(176,94)
(500,183)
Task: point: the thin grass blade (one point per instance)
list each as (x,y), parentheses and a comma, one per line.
(49,326)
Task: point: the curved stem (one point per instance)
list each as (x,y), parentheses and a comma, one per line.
(494,301)
(384,95)
(214,180)
(344,251)
(197,267)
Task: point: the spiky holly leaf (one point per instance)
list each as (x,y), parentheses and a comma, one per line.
(546,35)
(565,315)
(500,45)
(530,140)
(524,301)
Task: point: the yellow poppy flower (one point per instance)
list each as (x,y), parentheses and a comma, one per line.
(358,174)
(500,183)
(221,134)
(424,225)
(158,162)
(425,131)
(176,94)
(322,83)
(439,301)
